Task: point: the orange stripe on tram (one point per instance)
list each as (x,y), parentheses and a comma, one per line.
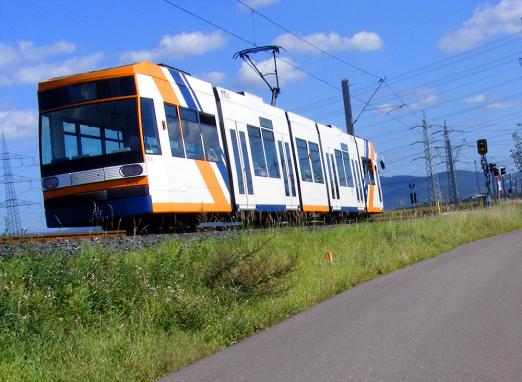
(310,208)
(220,204)
(162,83)
(371,207)
(213,186)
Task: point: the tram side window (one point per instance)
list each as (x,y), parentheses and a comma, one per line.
(335,176)
(347,167)
(239,172)
(378,183)
(266,123)
(174,130)
(271,154)
(316,162)
(340,168)
(192,134)
(304,162)
(209,132)
(369,177)
(291,167)
(256,148)
(150,127)
(372,173)
(46,149)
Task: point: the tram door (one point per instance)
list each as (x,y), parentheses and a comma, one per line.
(287,169)
(244,189)
(333,181)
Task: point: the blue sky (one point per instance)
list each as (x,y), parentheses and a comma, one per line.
(457,61)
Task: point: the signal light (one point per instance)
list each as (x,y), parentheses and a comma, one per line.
(502,171)
(482,146)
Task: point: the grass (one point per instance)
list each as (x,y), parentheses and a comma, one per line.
(102,316)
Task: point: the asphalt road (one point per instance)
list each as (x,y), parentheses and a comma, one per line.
(456,317)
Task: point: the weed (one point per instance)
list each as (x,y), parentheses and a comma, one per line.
(99,315)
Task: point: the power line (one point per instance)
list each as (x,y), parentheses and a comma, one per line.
(495,44)
(308,42)
(209,22)
(451,78)
(458,76)
(324,52)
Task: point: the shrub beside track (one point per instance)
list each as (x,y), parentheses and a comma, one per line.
(104,314)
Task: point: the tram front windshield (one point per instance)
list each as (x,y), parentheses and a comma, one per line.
(90,136)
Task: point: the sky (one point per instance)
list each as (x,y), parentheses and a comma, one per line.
(455,61)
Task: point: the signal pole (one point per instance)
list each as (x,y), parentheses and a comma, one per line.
(482,148)
(477,185)
(452,175)
(413,195)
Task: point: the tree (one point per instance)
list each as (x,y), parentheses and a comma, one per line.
(516,151)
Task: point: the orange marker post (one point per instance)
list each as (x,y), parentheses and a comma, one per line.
(329,255)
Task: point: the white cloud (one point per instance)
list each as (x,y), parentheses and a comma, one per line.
(499,105)
(259,3)
(18,123)
(479,98)
(26,51)
(487,21)
(330,42)
(179,46)
(246,77)
(424,98)
(25,63)
(31,74)
(215,78)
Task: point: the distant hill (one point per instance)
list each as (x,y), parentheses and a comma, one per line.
(397,193)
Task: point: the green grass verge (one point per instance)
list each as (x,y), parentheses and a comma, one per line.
(101,316)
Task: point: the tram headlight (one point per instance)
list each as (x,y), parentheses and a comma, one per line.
(131,170)
(50,183)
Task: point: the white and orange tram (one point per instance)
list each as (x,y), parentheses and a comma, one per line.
(151,141)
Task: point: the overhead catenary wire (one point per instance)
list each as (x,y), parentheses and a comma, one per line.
(459,57)
(309,73)
(308,42)
(481,68)
(428,68)
(324,52)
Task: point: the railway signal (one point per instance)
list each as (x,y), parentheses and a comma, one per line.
(482,148)
(413,195)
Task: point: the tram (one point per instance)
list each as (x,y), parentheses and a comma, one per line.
(147,141)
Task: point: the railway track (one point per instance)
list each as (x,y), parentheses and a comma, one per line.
(209,229)
(52,237)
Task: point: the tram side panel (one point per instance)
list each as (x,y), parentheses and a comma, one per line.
(355,161)
(259,147)
(368,163)
(339,155)
(183,148)
(378,201)
(199,95)
(309,164)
